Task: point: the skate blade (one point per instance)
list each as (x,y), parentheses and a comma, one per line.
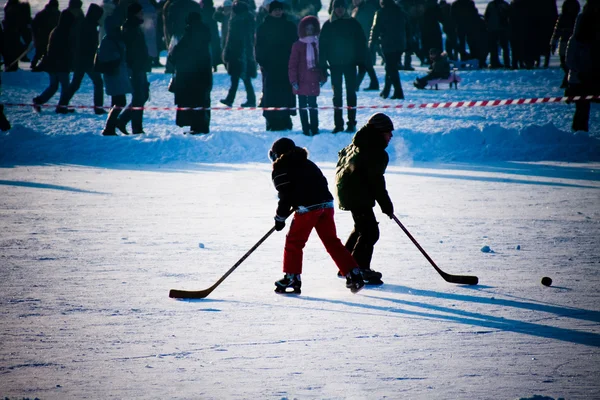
(285,291)
(378,282)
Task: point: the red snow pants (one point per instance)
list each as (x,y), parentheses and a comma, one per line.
(301,227)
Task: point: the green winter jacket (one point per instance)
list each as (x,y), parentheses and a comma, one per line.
(359,174)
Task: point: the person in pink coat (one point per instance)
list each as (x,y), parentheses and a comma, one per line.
(305,75)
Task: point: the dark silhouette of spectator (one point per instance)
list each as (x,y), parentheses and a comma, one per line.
(545,16)
(58,63)
(274,40)
(303,8)
(175,13)
(12,25)
(208,12)
(449,28)
(583,60)
(562,32)
(465,15)
(112,62)
(75,8)
(342,47)
(389,30)
(42,24)
(414,14)
(4,123)
(497,21)
(149,27)
(364,12)
(238,53)
(192,79)
(138,62)
(431,32)
(223,15)
(440,69)
(305,75)
(160,32)
(85,51)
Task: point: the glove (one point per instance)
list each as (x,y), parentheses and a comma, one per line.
(295,86)
(389,211)
(279,224)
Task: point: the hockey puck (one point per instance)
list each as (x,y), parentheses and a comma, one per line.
(546,281)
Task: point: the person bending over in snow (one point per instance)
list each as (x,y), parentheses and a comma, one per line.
(440,68)
(302,190)
(360,182)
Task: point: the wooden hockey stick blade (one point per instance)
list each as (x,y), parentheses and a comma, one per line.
(459,279)
(200,294)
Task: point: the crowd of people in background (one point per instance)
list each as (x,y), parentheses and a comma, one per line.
(118,43)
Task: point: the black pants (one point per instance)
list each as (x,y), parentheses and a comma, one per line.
(392,77)
(498,39)
(56,78)
(339,74)
(367,68)
(309,127)
(581,117)
(96,80)
(363,237)
(235,82)
(141,93)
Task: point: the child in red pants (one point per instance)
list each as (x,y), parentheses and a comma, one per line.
(302,190)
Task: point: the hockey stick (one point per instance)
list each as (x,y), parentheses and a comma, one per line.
(460,279)
(200,294)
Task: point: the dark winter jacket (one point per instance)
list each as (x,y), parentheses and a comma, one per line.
(431,32)
(208,12)
(389,28)
(308,80)
(564,26)
(223,15)
(497,16)
(583,54)
(465,14)
(359,174)
(299,182)
(342,42)
(274,40)
(138,59)
(43,23)
(364,13)
(112,51)
(238,52)
(87,39)
(191,60)
(59,56)
(440,68)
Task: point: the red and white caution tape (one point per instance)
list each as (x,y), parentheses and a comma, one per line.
(449,104)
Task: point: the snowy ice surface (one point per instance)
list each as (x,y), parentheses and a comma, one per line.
(96,230)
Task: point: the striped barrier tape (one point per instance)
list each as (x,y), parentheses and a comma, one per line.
(449,104)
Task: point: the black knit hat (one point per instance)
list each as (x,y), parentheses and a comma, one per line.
(133,9)
(381,123)
(275,5)
(339,3)
(280,147)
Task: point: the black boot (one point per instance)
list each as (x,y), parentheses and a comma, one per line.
(354,281)
(289,281)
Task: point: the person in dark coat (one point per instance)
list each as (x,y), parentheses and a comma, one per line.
(223,15)
(112,61)
(238,54)
(562,32)
(520,34)
(449,28)
(496,18)
(192,79)
(138,62)
(342,47)
(360,182)
(389,29)
(175,13)
(465,15)
(431,32)
(42,24)
(305,75)
(274,40)
(302,190)
(85,52)
(583,60)
(11,24)
(440,69)
(57,63)
(4,122)
(208,12)
(364,12)
(545,15)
